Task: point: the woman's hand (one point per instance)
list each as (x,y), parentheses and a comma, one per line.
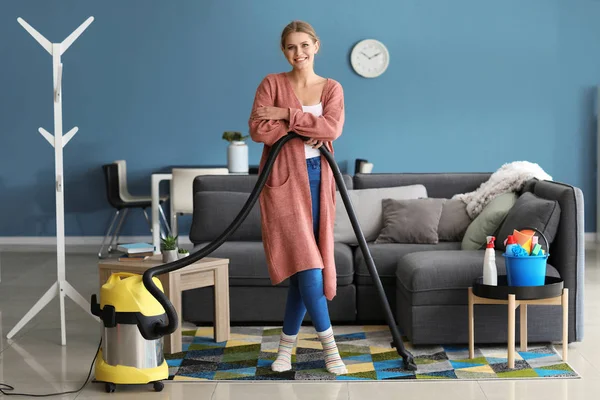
(271,113)
(314,143)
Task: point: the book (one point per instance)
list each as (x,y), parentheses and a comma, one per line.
(134,248)
(146,253)
(134,258)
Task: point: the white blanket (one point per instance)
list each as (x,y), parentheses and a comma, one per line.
(509,178)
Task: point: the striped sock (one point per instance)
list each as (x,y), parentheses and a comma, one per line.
(333,361)
(283,362)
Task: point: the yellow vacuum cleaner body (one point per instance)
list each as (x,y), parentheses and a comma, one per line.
(128,354)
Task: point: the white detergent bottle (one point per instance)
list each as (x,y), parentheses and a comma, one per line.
(490,272)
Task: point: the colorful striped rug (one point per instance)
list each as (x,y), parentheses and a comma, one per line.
(366,351)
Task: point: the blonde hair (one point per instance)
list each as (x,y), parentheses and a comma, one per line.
(298,26)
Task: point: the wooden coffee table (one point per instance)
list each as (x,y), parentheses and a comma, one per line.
(206,272)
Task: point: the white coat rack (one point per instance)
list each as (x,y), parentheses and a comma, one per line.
(61,287)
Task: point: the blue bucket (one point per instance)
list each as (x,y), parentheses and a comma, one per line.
(526,271)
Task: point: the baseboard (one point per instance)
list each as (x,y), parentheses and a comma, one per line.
(72,243)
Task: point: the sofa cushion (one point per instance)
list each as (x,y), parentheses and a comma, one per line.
(217,201)
(215,211)
(386,256)
(248,264)
(454,221)
(531,211)
(238,183)
(368,210)
(488,221)
(440,185)
(410,221)
(442,277)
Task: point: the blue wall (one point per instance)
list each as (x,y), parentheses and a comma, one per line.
(472,84)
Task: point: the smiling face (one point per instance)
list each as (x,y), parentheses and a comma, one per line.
(299,49)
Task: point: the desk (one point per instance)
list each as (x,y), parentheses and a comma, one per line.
(165,175)
(205,272)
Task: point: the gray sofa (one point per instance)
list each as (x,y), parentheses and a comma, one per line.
(426,284)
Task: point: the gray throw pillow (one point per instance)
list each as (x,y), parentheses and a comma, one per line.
(368,210)
(454,221)
(410,221)
(531,211)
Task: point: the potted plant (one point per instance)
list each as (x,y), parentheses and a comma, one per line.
(183,253)
(237,152)
(169,249)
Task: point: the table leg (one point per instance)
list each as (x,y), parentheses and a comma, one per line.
(523,327)
(173,221)
(221,289)
(565,307)
(174,294)
(511,330)
(104,274)
(154,192)
(172,342)
(471,326)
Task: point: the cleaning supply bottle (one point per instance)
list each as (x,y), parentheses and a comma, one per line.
(534,242)
(510,243)
(490,272)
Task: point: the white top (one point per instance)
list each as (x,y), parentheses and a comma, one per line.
(316,110)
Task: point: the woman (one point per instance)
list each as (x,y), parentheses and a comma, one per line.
(298,200)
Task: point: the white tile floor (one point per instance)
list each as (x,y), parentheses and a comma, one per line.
(35,362)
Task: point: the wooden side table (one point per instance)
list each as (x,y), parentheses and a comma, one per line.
(513,303)
(206,272)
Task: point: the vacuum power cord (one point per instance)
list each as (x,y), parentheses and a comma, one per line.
(4,386)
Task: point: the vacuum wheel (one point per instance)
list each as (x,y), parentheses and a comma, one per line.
(110,387)
(158,386)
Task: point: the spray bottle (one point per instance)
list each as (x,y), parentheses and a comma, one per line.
(510,243)
(490,272)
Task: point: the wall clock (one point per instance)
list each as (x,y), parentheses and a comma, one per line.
(370,58)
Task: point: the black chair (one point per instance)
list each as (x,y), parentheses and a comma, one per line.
(122,204)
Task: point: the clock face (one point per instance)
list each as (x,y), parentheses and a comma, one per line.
(370,58)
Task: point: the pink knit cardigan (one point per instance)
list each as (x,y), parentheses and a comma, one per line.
(285,202)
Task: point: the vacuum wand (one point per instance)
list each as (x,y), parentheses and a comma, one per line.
(173,320)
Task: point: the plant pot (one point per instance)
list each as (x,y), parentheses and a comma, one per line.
(237,157)
(169,256)
(183,255)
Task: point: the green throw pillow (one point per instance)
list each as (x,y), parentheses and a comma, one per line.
(488,221)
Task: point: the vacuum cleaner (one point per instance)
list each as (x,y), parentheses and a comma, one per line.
(137,314)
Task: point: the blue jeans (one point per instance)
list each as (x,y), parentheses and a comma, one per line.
(306,287)
(313,166)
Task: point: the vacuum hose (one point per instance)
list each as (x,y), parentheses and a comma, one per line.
(160,329)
